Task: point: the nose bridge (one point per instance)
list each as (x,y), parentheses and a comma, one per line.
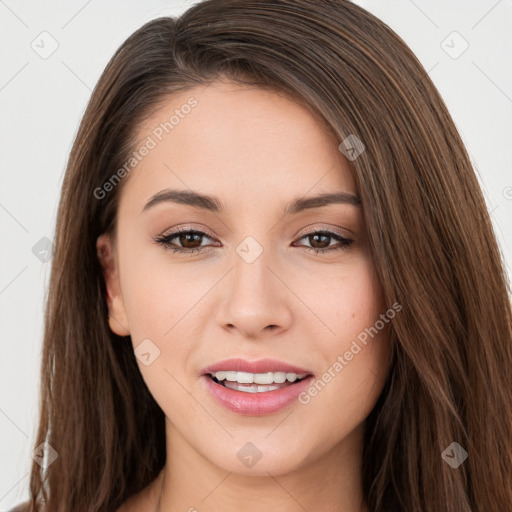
(256,298)
(250,261)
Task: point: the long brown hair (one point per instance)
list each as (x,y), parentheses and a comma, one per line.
(430,234)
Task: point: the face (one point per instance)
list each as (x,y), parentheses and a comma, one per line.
(245,278)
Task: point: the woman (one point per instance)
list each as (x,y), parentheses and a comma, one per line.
(275,280)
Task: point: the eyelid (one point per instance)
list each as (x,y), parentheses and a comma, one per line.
(330,229)
(186,229)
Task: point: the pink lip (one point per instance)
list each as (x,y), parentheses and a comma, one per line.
(256,404)
(260,366)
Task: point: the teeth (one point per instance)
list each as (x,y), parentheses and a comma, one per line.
(258,378)
(253,388)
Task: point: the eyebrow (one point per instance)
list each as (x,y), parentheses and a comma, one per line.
(213,204)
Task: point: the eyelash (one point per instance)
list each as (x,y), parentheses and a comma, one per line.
(165,241)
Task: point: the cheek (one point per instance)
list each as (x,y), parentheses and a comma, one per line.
(157,294)
(355,349)
(348,300)
(159,305)
(163,305)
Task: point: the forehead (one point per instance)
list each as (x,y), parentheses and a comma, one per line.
(242,143)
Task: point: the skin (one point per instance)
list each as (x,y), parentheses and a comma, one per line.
(256,150)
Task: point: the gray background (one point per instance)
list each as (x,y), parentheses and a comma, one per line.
(42,100)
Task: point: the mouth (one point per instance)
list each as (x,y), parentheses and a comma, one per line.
(256,394)
(256,382)
(255,388)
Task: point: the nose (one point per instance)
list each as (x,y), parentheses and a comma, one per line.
(255,299)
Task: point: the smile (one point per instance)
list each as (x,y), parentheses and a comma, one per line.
(255,399)
(256,382)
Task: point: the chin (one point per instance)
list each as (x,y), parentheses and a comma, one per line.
(259,457)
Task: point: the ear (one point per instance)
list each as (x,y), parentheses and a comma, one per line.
(118,320)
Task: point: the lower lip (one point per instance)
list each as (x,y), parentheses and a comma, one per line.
(256,404)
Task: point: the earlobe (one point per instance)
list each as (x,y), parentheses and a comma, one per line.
(117,319)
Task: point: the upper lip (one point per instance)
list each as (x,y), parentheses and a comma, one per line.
(259,366)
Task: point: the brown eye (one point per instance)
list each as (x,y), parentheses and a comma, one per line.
(189,241)
(319,241)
